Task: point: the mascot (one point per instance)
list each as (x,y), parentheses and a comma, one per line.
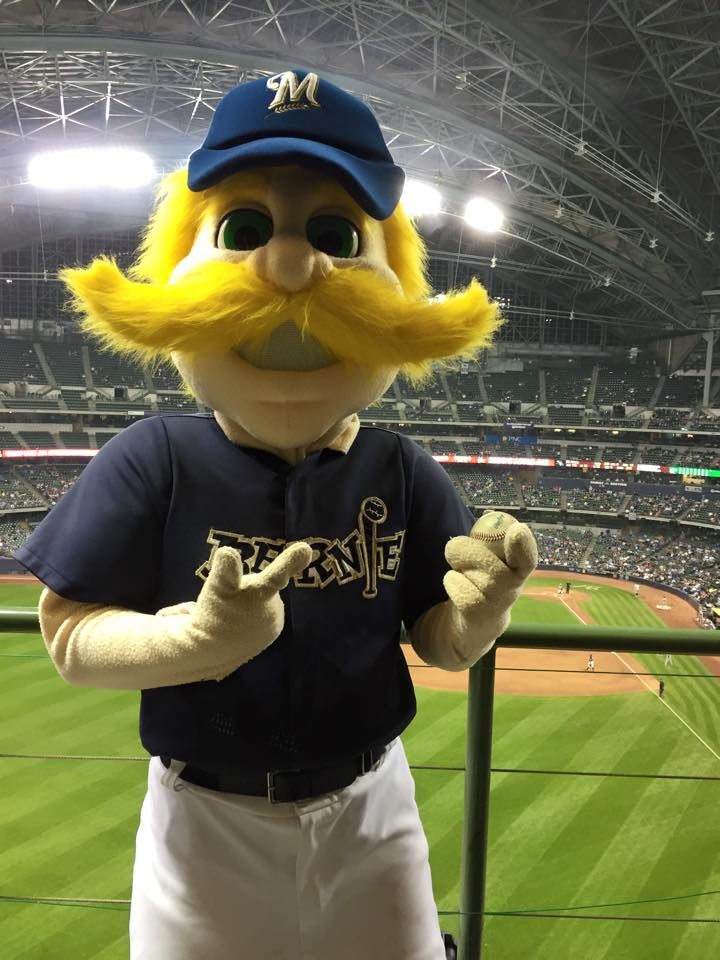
(249,569)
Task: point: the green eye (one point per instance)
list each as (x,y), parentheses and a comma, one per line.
(335,236)
(244,230)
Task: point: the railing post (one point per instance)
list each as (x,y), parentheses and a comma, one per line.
(19,621)
(477,806)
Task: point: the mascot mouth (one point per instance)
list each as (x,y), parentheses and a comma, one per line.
(287,348)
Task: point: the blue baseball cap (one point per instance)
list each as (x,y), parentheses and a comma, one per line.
(297,118)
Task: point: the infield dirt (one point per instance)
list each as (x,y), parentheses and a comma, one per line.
(563,673)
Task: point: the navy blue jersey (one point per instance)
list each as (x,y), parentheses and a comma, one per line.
(138,530)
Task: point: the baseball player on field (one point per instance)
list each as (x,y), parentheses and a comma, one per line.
(249,569)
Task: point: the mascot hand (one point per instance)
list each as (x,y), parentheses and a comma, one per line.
(485,582)
(233,620)
(237,616)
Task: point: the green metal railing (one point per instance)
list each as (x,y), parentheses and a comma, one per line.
(480,720)
(19,621)
(481,694)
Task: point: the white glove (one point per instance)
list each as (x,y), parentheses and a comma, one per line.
(481,590)
(234,619)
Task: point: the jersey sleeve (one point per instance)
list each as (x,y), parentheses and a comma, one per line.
(437,513)
(102,542)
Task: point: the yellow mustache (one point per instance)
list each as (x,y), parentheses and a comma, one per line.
(358,316)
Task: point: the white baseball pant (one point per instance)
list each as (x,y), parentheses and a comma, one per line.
(341,877)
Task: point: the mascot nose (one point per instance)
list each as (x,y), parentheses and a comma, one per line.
(290,263)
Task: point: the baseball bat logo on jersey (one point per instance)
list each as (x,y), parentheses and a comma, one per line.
(361,555)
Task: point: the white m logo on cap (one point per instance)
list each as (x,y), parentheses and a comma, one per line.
(292,94)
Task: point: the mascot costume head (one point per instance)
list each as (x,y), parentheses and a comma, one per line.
(280,271)
(283,279)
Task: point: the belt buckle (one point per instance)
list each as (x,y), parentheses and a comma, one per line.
(366,762)
(271,787)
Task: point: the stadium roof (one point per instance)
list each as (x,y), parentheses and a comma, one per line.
(595,125)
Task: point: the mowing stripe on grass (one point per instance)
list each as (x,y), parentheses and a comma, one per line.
(646,684)
(666,704)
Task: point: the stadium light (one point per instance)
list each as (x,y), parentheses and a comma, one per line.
(484,215)
(108,167)
(420,199)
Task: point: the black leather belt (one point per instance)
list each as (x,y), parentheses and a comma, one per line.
(284,786)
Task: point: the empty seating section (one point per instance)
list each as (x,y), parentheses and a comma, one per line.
(687,456)
(38,438)
(679,391)
(122,406)
(443,446)
(605,418)
(8,441)
(504,449)
(176,401)
(567,415)
(380,411)
(471,412)
(617,454)
(14,495)
(666,455)
(109,370)
(19,362)
(80,441)
(75,399)
(165,377)
(102,437)
(621,382)
(522,385)
(65,361)
(464,386)
(432,388)
(32,402)
(549,450)
(52,480)
(548,497)
(431,415)
(595,500)
(581,452)
(570,384)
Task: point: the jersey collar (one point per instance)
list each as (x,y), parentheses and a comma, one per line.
(340,438)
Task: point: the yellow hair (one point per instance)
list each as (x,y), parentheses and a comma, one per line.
(357,315)
(170,234)
(406,254)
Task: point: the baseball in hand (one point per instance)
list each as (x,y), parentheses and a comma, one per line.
(491,528)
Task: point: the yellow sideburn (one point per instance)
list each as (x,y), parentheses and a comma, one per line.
(359,317)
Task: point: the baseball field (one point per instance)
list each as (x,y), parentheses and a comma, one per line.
(589,845)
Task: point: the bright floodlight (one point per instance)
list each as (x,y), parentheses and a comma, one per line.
(420,198)
(483,215)
(111,167)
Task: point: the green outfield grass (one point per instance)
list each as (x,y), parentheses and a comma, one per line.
(626,847)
